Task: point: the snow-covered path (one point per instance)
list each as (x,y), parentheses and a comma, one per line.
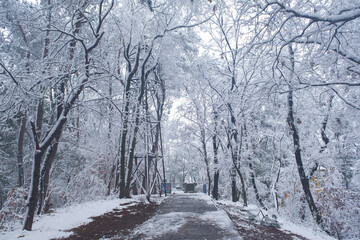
(187,216)
(179,216)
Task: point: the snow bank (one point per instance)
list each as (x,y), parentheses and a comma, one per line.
(311,233)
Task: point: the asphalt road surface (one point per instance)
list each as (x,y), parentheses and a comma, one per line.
(187,216)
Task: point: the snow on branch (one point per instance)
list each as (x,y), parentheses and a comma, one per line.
(344,16)
(344,54)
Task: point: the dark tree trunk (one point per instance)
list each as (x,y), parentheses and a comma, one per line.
(163,162)
(32,199)
(215,191)
(234,191)
(253,183)
(135,185)
(161,101)
(20,153)
(45,172)
(143,77)
(110,129)
(206,160)
(127,95)
(52,150)
(117,172)
(235,155)
(296,140)
(243,190)
(123,160)
(59,101)
(34,186)
(275,194)
(303,178)
(39,118)
(244,133)
(131,156)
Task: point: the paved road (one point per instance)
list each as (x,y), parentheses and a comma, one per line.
(187,216)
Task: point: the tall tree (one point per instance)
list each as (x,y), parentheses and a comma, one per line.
(42,145)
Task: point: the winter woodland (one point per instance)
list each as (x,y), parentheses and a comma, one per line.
(258,99)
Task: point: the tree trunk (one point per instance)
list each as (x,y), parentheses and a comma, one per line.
(33,197)
(163,162)
(143,77)
(110,129)
(215,191)
(34,186)
(296,140)
(234,192)
(161,102)
(303,178)
(132,154)
(235,155)
(274,187)
(111,176)
(243,190)
(253,183)
(127,95)
(20,153)
(45,171)
(206,158)
(36,129)
(244,133)
(52,150)
(52,133)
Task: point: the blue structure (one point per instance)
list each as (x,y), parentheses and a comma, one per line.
(166,187)
(204,188)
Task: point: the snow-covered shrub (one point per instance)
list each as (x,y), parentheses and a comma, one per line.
(86,185)
(77,177)
(13,209)
(341,211)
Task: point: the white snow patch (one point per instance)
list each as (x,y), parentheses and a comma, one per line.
(54,224)
(309,233)
(220,218)
(201,196)
(162,224)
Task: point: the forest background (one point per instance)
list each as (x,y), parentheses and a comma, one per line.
(258,99)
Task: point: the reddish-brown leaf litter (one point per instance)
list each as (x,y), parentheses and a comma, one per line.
(115,224)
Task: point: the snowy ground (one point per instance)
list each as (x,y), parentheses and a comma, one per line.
(53,225)
(187,216)
(174,218)
(252,213)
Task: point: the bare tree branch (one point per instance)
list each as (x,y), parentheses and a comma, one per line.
(9,73)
